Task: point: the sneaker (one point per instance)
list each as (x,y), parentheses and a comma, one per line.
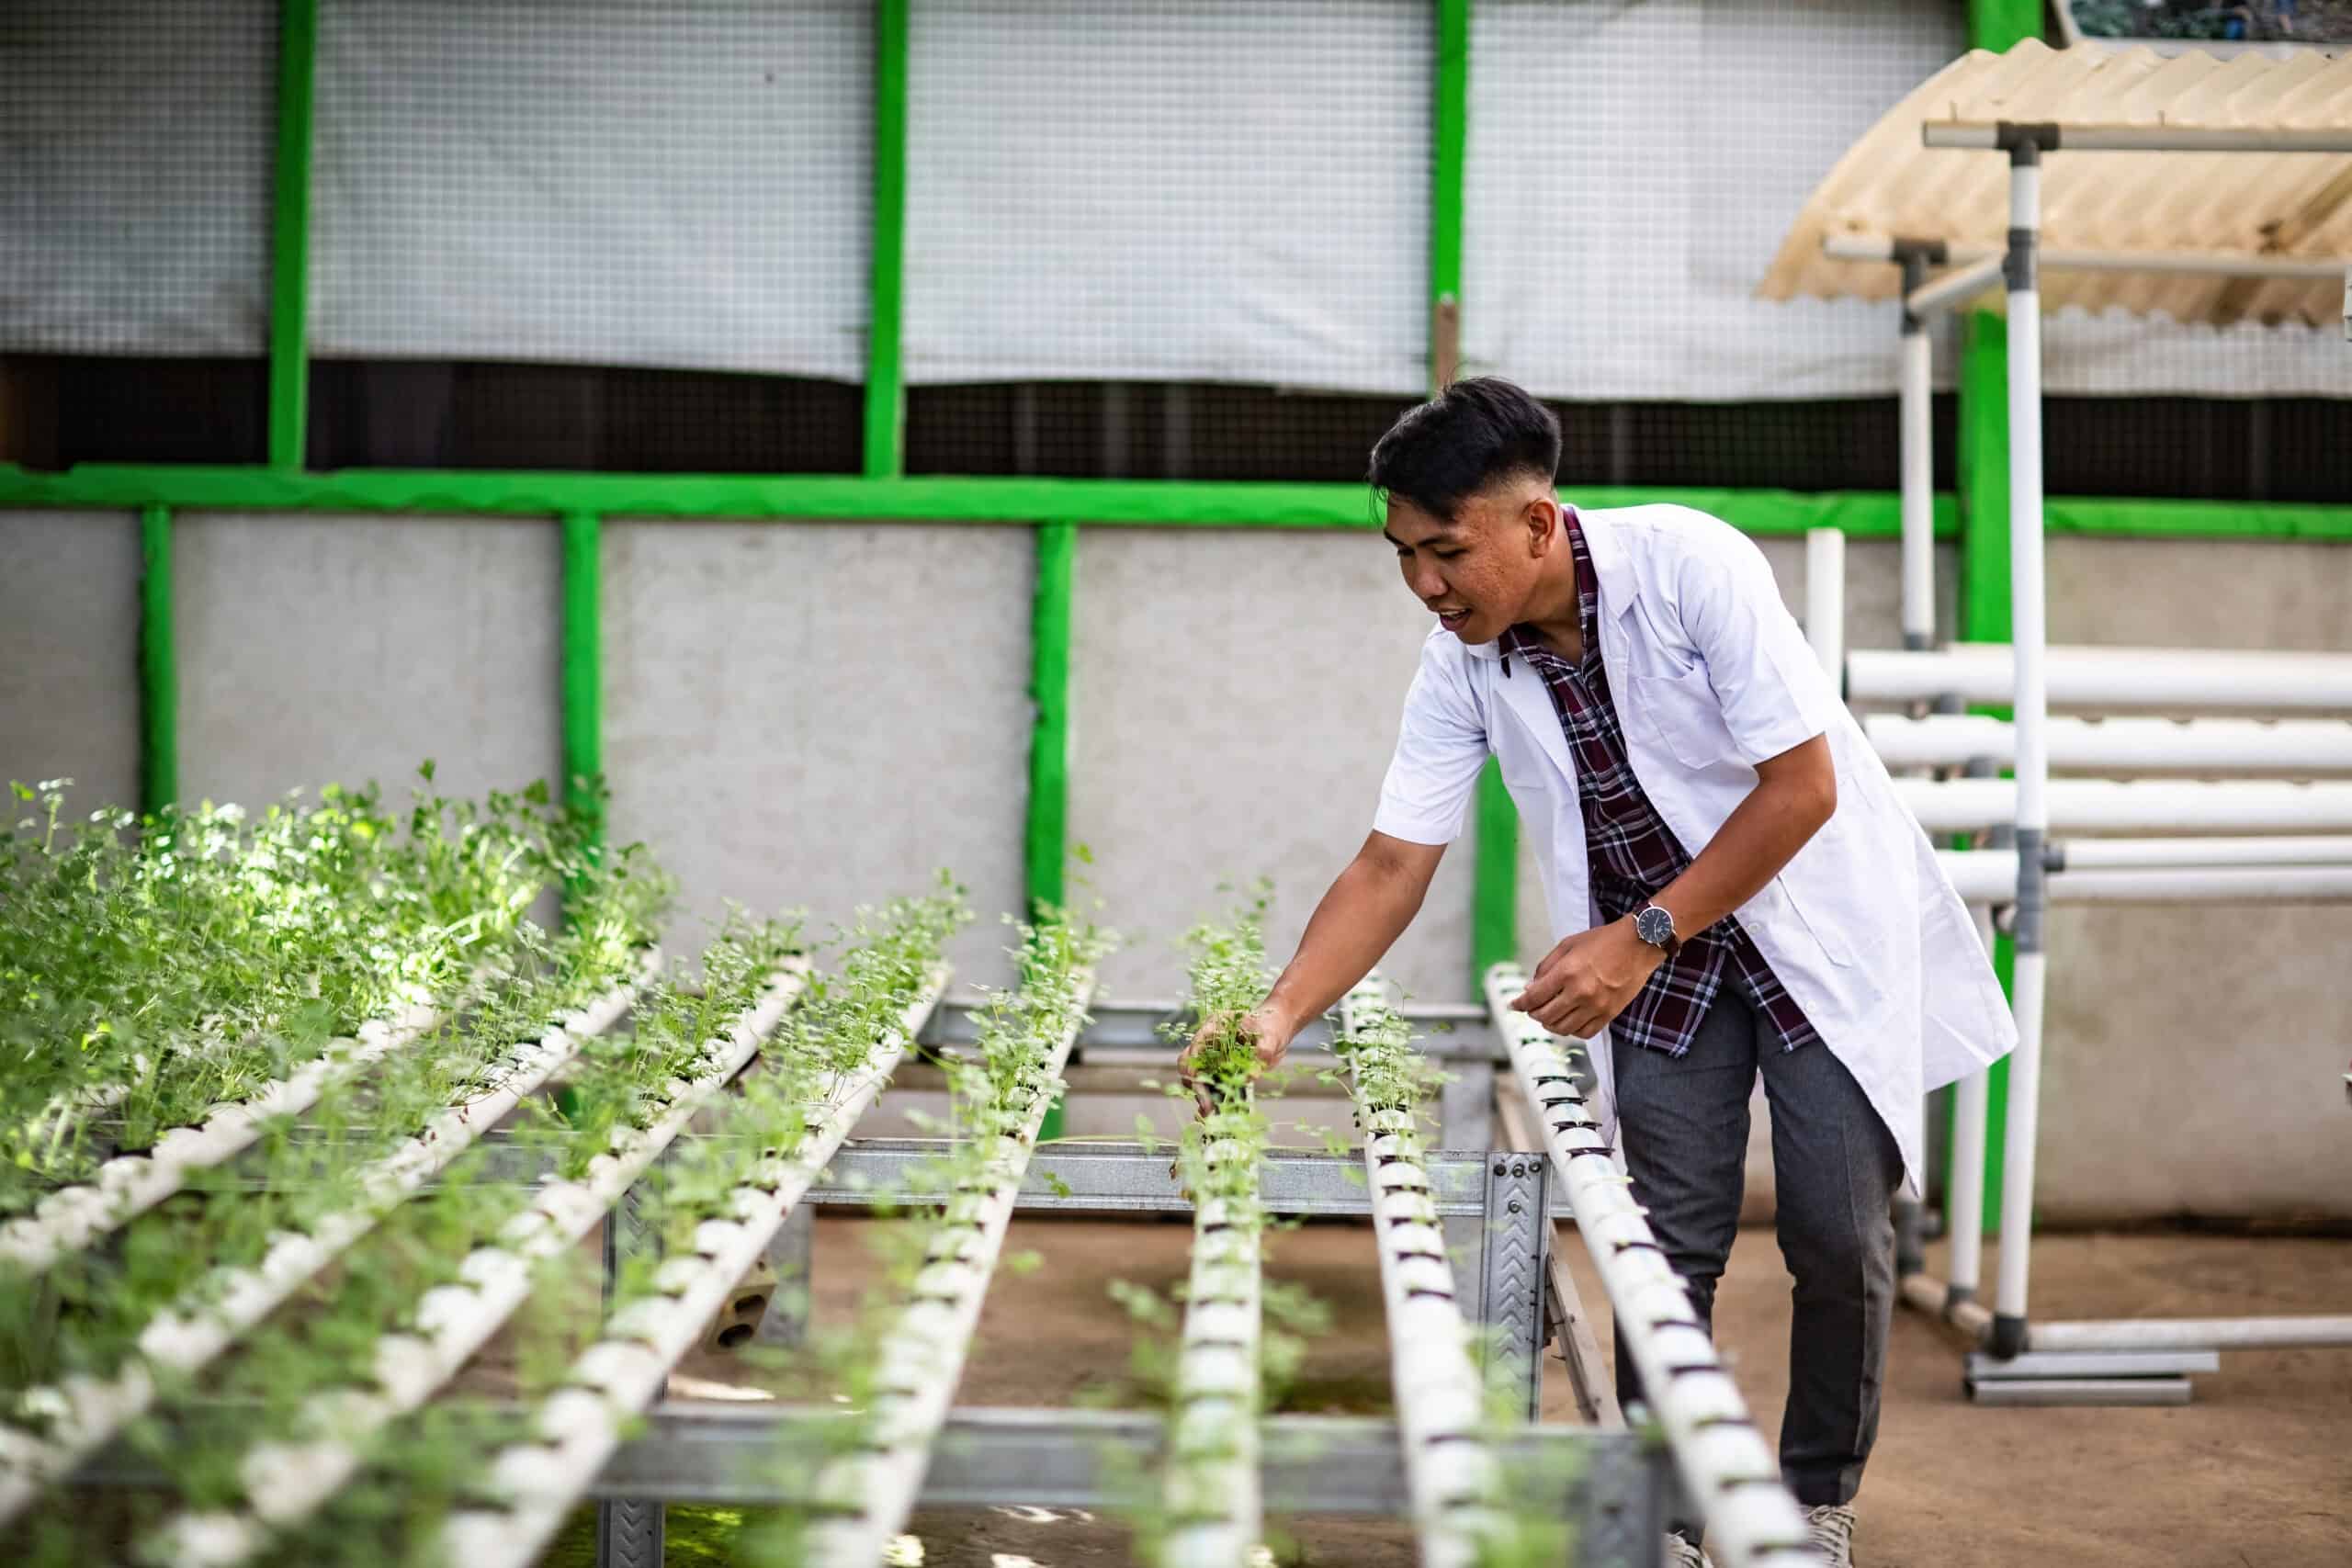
(1832,1529)
(1681,1553)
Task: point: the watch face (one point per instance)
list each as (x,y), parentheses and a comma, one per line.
(1654,926)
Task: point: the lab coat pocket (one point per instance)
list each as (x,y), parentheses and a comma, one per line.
(1682,711)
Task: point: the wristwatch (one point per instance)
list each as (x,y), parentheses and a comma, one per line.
(1656,926)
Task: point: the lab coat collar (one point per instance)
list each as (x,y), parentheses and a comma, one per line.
(1608,564)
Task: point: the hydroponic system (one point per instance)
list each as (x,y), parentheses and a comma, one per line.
(311,1119)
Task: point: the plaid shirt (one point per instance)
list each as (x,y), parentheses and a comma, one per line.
(1634,854)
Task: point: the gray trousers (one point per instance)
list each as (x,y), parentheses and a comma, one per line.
(1835,1168)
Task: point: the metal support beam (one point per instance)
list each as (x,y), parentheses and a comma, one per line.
(1132,1179)
(1609,1485)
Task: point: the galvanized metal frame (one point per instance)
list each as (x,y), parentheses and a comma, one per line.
(1613,1483)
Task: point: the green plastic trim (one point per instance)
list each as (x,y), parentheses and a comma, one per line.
(159,681)
(1984,480)
(289,236)
(1449,156)
(2160,519)
(1046,837)
(583,673)
(1494,879)
(1997,24)
(1046,840)
(847,497)
(1494,874)
(886,392)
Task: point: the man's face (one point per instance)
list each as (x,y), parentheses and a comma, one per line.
(1476,573)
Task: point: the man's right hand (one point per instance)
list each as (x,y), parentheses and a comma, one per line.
(1266,1030)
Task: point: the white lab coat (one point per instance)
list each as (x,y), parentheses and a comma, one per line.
(1710,675)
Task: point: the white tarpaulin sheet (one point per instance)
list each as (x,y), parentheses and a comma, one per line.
(595,181)
(134,175)
(1142,190)
(1632,167)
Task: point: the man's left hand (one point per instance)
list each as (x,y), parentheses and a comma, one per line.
(1588,979)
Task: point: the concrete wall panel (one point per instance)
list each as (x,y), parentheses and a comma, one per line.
(69,653)
(821,715)
(318,648)
(1238,697)
(2194,1057)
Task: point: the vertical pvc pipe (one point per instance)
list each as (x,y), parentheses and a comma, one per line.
(584,669)
(1824,599)
(1964,1200)
(2028,608)
(159,680)
(1919,485)
(1996,24)
(886,393)
(289,237)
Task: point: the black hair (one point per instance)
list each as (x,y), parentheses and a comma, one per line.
(1465,439)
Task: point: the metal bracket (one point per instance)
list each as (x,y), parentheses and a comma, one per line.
(1510,1294)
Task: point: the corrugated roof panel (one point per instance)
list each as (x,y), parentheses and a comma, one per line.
(2286,204)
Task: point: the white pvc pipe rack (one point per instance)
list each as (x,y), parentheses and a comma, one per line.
(1449,1468)
(2170,680)
(1971,1105)
(922,1355)
(285,1482)
(2137,806)
(1729,1473)
(577,1428)
(2192,1334)
(2199,745)
(188,1335)
(128,1185)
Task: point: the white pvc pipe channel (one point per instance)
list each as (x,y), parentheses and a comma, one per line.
(2138,805)
(2173,680)
(1728,1471)
(285,1482)
(1211,1481)
(205,1321)
(129,1185)
(1449,1469)
(921,1357)
(577,1428)
(2201,745)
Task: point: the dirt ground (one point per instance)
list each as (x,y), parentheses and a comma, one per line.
(2257,1472)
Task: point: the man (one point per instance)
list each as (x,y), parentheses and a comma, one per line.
(1732,883)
